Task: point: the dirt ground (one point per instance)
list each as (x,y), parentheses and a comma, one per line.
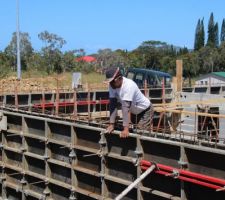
(48,84)
(12,85)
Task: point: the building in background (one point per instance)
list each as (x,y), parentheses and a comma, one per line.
(87,59)
(214,78)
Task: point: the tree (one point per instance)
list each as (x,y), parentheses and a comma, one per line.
(168,64)
(69,61)
(191,66)
(26,49)
(51,52)
(208,59)
(108,58)
(4,65)
(222,57)
(216,31)
(211,42)
(36,63)
(198,36)
(222,34)
(202,34)
(150,53)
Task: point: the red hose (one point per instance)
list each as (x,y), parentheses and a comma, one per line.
(60,104)
(196,178)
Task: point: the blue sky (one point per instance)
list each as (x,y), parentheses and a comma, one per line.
(115,24)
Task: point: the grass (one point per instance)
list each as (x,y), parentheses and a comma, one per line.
(93,78)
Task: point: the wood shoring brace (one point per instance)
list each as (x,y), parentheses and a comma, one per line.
(138,180)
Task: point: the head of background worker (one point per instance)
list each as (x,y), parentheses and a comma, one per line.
(126,91)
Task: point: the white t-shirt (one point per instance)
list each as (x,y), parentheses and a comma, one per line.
(129,91)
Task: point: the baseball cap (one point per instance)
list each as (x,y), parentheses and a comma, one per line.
(112,73)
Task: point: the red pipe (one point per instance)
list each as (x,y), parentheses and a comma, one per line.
(183,178)
(185,172)
(61,104)
(190,176)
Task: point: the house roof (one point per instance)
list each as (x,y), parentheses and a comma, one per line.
(222,74)
(86,59)
(217,75)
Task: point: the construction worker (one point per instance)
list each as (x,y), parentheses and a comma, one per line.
(135,106)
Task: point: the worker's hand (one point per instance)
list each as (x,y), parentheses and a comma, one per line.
(125,132)
(110,128)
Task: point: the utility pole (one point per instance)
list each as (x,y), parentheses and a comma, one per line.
(18,42)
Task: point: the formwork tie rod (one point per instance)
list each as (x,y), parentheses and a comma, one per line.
(138,180)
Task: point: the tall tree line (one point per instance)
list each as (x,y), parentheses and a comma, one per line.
(213,39)
(208,54)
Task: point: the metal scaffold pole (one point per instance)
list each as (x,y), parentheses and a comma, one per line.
(18,42)
(138,180)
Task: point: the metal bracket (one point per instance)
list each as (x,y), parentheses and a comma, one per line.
(72,154)
(135,161)
(3,122)
(23,149)
(183,164)
(23,181)
(102,141)
(174,174)
(138,152)
(2,178)
(72,196)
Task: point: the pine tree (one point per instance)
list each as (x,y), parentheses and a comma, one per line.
(211,32)
(197,34)
(202,37)
(222,34)
(216,32)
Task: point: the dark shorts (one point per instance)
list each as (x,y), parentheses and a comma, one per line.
(144,119)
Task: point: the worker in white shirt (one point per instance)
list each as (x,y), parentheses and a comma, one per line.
(133,101)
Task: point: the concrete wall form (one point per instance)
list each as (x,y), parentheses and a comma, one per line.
(43,158)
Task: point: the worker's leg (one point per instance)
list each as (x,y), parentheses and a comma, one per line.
(144,119)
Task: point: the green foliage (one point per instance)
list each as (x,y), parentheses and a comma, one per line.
(221,53)
(211,42)
(202,34)
(216,32)
(68,61)
(208,59)
(51,52)
(190,65)
(108,58)
(168,64)
(199,35)
(222,34)
(26,49)
(4,65)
